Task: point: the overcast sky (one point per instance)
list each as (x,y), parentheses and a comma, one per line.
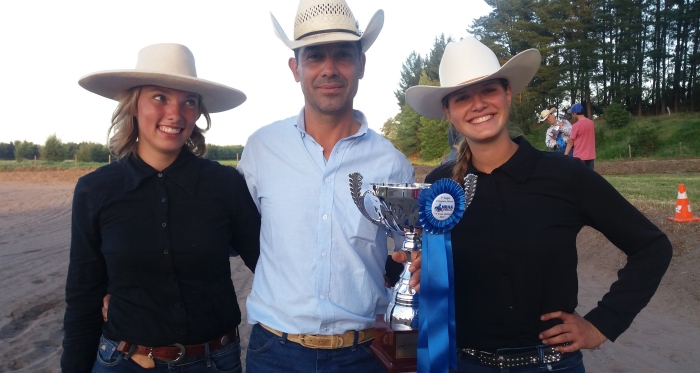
(49,45)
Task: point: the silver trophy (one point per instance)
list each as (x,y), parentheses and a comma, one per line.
(397,211)
(396,208)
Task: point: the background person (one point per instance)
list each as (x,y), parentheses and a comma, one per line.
(557,135)
(515,247)
(319,282)
(154,229)
(583,136)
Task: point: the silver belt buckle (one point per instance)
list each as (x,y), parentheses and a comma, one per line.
(180,355)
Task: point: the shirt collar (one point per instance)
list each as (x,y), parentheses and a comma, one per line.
(300,124)
(184,171)
(520,165)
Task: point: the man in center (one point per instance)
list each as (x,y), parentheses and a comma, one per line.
(319,281)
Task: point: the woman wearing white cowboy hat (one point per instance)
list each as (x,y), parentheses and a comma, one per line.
(154,229)
(514,250)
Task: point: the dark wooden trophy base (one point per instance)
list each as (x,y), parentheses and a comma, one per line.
(396,350)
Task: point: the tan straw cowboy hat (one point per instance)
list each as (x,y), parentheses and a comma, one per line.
(469,62)
(328,21)
(166,65)
(545,113)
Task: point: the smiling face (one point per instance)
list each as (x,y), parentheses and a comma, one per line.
(166,118)
(480,111)
(329,75)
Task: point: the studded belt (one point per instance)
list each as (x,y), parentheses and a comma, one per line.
(326,342)
(532,357)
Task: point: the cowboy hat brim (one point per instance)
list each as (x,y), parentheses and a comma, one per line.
(548,112)
(518,71)
(112,83)
(367,39)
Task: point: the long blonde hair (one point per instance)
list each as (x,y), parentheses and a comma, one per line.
(124,139)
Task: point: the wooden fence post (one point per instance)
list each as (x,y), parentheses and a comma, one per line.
(630,149)
(35,161)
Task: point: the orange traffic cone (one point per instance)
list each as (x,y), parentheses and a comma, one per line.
(683,212)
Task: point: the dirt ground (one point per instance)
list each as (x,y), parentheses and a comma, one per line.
(34,240)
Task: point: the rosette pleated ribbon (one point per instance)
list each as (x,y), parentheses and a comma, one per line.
(440,208)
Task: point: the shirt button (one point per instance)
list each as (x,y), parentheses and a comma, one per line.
(323,297)
(177,305)
(160,174)
(328,180)
(166,251)
(182,332)
(323,254)
(162,200)
(325,217)
(171,279)
(499,208)
(163,225)
(500,238)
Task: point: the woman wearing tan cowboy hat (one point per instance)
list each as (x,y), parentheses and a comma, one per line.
(154,229)
(515,247)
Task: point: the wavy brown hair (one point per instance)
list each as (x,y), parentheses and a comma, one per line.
(464,153)
(125,131)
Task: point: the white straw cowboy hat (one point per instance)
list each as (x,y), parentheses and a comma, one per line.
(469,62)
(167,65)
(328,21)
(545,113)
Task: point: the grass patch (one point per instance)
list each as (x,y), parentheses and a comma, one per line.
(29,165)
(656,190)
(655,137)
(228,162)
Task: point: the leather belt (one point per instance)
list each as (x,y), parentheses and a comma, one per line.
(326,342)
(176,352)
(550,355)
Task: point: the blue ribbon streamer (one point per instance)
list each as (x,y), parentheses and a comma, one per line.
(437,340)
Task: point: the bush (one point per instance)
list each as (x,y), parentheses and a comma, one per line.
(644,141)
(53,150)
(616,116)
(92,152)
(22,150)
(433,138)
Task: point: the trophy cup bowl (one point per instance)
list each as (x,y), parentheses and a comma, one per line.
(396,337)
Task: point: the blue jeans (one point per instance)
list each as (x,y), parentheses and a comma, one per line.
(569,363)
(224,360)
(269,353)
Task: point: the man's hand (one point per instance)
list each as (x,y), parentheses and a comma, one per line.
(400,257)
(105,306)
(575,329)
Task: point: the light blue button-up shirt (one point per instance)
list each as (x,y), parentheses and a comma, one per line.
(321,262)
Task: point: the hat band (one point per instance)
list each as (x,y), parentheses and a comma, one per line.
(326,32)
(471,80)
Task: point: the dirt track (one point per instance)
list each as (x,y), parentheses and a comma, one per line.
(34,240)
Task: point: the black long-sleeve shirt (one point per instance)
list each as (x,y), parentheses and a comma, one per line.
(515,254)
(159,243)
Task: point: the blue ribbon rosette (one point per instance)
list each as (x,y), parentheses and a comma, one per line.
(440,208)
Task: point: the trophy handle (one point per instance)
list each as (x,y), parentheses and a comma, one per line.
(469,188)
(359,198)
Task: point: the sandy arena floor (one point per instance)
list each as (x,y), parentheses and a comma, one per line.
(35,236)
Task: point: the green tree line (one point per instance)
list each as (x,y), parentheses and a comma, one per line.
(55,150)
(640,56)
